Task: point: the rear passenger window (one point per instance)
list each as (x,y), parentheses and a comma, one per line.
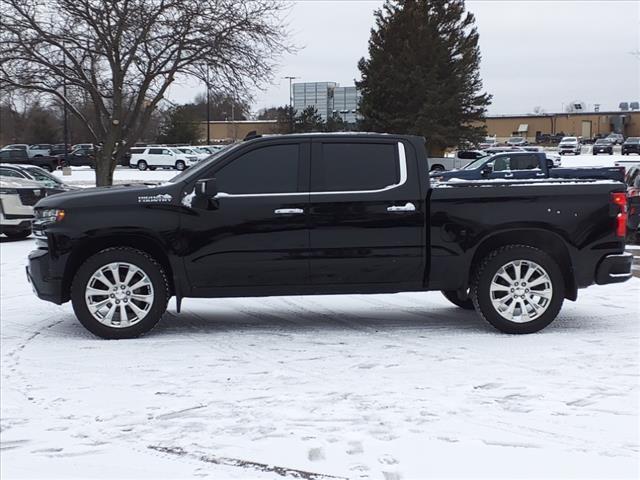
(524,162)
(271,169)
(355,167)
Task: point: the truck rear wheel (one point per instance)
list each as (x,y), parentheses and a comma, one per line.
(142,165)
(119,293)
(453,297)
(17,234)
(518,289)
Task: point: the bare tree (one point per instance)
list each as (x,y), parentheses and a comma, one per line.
(122,56)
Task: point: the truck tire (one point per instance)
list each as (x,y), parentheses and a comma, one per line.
(136,292)
(437,168)
(452,296)
(17,234)
(142,165)
(180,165)
(518,289)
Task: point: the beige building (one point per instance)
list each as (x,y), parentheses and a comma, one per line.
(227,131)
(586,125)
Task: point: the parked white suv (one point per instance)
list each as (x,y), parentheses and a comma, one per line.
(570,145)
(158,157)
(17,198)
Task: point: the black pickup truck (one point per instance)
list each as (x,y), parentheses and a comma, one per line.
(20,157)
(326,214)
(524,165)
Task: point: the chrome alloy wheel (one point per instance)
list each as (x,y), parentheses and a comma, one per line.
(119,294)
(521,291)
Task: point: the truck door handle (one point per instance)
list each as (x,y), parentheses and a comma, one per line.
(541,174)
(288,211)
(407,207)
(508,175)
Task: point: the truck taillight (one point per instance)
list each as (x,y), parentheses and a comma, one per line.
(620,200)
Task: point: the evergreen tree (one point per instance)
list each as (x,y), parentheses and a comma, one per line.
(179,126)
(422,75)
(309,120)
(336,124)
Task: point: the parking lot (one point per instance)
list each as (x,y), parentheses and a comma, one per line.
(350,386)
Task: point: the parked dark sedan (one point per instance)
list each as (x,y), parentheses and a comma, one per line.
(58,149)
(631,145)
(80,157)
(603,145)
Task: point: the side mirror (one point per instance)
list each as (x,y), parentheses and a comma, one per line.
(206,188)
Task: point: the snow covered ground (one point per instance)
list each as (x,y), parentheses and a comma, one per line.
(382,387)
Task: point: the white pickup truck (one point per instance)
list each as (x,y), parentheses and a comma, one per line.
(458,160)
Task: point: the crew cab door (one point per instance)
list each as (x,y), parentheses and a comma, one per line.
(366,215)
(255,231)
(518,166)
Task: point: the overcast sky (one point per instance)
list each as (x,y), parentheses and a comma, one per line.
(534,53)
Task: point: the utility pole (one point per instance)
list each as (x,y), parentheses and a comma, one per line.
(290,102)
(65,121)
(208,109)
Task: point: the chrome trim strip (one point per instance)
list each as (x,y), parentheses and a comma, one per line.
(402,156)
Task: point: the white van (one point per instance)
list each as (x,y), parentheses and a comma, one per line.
(158,157)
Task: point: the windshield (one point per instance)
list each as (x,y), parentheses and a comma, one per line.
(515,139)
(633,140)
(602,140)
(42,176)
(569,140)
(476,163)
(195,171)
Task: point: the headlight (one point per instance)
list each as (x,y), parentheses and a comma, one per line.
(50,215)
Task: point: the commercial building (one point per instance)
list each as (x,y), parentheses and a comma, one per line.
(328,98)
(228,131)
(587,124)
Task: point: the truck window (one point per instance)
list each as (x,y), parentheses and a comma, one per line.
(347,167)
(270,169)
(525,162)
(516,162)
(502,163)
(155,151)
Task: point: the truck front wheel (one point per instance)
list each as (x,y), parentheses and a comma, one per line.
(518,289)
(119,293)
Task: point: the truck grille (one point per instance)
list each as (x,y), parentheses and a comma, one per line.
(30,197)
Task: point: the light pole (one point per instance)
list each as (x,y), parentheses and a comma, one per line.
(208,109)
(290,102)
